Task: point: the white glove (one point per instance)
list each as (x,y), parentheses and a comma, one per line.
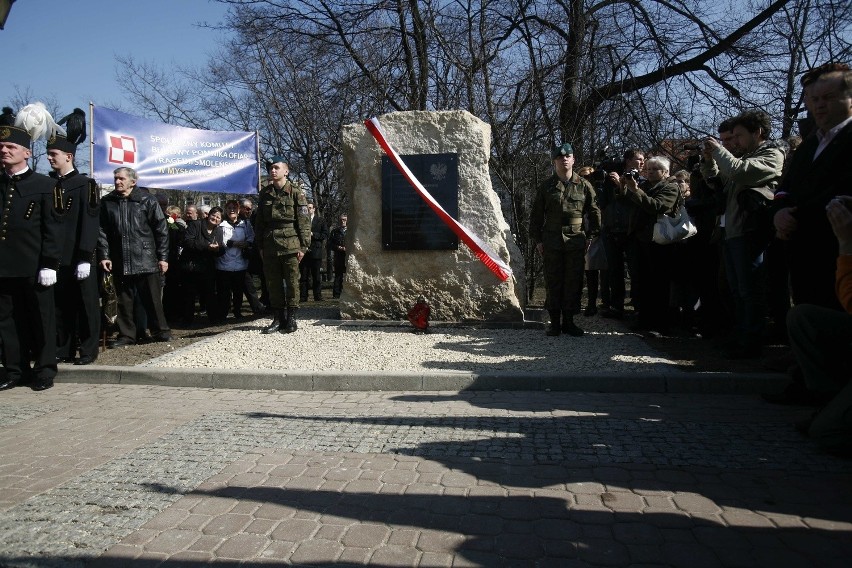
(46,277)
(83,270)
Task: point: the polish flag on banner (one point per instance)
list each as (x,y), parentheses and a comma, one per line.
(482,251)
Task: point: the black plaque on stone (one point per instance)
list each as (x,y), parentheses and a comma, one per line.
(408,223)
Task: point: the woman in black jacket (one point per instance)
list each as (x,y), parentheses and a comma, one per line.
(201,245)
(651,277)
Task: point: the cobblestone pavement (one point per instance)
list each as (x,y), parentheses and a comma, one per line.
(143,476)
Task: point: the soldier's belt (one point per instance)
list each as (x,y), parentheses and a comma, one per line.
(281,224)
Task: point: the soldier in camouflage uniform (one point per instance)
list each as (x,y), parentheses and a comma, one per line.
(556,226)
(283,236)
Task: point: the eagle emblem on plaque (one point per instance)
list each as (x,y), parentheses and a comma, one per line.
(438,171)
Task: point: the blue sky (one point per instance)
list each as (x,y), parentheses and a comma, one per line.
(68,54)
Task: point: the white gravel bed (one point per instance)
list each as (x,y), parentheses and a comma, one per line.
(320,346)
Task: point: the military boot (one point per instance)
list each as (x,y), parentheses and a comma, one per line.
(569,327)
(278,316)
(554,328)
(289,325)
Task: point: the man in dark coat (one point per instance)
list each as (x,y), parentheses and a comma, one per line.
(30,248)
(337,244)
(310,265)
(76,292)
(134,246)
(818,172)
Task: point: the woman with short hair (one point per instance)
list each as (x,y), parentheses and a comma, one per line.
(651,276)
(202,245)
(231,266)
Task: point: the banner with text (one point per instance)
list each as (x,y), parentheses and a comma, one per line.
(173,157)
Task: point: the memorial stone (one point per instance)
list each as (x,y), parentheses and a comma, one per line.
(383,282)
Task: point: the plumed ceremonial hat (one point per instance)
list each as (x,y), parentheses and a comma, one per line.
(31,123)
(11,133)
(75,127)
(561,150)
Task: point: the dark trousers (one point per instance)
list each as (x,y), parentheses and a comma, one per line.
(148,288)
(229,291)
(309,277)
(27,329)
(339,271)
(616,247)
(746,274)
(202,285)
(78,314)
(251,292)
(651,278)
(592,287)
(563,276)
(821,338)
(778,282)
(172,293)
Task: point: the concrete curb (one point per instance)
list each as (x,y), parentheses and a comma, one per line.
(295,380)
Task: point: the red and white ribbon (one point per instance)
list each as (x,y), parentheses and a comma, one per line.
(482,251)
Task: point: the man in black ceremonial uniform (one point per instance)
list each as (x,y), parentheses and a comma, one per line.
(30,233)
(77,309)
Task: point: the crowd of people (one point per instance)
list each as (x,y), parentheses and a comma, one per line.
(773,225)
(773,231)
(76,263)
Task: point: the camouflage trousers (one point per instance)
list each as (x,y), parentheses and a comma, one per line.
(282,279)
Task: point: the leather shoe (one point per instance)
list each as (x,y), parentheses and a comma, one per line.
(65,359)
(570,328)
(163,337)
(42,384)
(86,360)
(121,342)
(8,384)
(609,313)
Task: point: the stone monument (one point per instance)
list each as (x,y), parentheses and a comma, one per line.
(383,283)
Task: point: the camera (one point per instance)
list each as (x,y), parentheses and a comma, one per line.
(632,174)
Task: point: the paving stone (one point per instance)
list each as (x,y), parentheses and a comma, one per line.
(171,541)
(393,555)
(603,552)
(366,536)
(684,554)
(436,560)
(294,530)
(436,541)
(226,525)
(242,547)
(316,551)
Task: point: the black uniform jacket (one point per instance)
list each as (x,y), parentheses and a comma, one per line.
(81,197)
(134,234)
(31,226)
(197,256)
(319,233)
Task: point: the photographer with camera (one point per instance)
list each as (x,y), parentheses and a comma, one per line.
(750,182)
(615,217)
(650,275)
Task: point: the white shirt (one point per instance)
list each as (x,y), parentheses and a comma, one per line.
(825,139)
